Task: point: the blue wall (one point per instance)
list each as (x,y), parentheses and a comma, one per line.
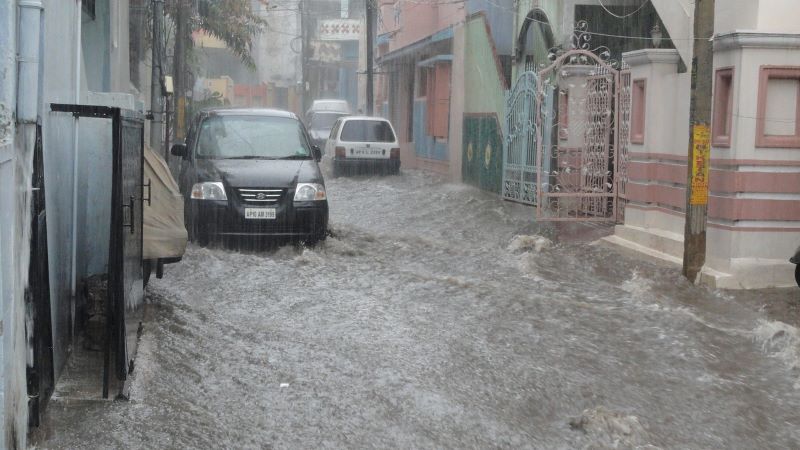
(424,145)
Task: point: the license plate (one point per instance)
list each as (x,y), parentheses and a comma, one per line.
(369,152)
(259,213)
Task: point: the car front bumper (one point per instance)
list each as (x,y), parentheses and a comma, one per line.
(219,219)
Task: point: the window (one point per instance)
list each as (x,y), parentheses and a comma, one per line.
(251,137)
(638,110)
(778,117)
(723,108)
(422,83)
(367,131)
(438,101)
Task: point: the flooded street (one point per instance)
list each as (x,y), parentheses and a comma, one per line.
(438,316)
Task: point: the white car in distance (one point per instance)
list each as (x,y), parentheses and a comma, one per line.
(359,144)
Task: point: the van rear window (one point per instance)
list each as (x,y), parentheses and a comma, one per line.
(367,131)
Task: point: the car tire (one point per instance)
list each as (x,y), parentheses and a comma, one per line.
(797,274)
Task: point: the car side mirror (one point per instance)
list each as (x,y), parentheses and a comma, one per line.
(317,152)
(180,150)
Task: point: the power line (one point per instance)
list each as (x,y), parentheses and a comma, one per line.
(626,15)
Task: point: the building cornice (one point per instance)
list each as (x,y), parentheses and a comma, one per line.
(652,56)
(755,39)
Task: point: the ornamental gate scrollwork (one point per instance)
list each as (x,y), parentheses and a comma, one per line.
(519,147)
(576,127)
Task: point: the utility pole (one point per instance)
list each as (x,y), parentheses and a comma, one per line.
(694,241)
(304,56)
(179,67)
(370,53)
(157,75)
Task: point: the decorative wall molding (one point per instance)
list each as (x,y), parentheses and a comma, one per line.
(753,39)
(651,56)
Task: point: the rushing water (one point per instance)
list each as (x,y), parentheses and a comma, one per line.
(439,316)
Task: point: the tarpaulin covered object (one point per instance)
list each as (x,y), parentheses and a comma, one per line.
(164,230)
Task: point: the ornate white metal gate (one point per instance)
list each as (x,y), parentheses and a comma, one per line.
(576,128)
(519,149)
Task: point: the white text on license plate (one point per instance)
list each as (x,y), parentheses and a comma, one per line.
(259,213)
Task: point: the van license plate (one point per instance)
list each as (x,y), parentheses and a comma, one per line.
(369,152)
(259,213)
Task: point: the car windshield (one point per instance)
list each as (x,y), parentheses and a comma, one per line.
(251,137)
(367,131)
(323,121)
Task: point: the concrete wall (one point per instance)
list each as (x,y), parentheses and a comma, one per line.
(732,15)
(777,16)
(457,102)
(656,186)
(754,212)
(754,186)
(59,86)
(12,388)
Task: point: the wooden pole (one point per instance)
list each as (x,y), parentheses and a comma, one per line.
(694,244)
(179,69)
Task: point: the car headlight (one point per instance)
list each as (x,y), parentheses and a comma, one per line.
(306,192)
(212,190)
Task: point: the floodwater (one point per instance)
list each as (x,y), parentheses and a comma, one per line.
(439,316)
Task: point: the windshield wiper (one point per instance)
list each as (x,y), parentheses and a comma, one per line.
(296,157)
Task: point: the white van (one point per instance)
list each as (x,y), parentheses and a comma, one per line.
(321,117)
(361,143)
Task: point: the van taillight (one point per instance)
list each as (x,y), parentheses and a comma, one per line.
(341,152)
(395,153)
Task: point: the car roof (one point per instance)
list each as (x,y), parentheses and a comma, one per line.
(264,112)
(333,101)
(329,105)
(382,119)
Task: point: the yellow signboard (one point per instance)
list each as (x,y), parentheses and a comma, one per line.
(701,153)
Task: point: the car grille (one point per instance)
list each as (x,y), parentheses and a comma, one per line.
(261,196)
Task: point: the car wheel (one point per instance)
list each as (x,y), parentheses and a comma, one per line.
(797,274)
(315,238)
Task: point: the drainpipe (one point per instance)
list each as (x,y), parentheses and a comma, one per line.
(74,243)
(30,20)
(29,27)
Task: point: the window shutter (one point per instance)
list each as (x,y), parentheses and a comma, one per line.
(441,109)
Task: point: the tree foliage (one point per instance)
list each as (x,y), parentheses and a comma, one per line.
(232,21)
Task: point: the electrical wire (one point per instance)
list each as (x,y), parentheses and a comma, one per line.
(625,16)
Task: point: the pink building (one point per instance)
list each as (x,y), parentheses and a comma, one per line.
(415,49)
(754,179)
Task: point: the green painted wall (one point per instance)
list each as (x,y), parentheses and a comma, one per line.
(483,83)
(482,163)
(484,107)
